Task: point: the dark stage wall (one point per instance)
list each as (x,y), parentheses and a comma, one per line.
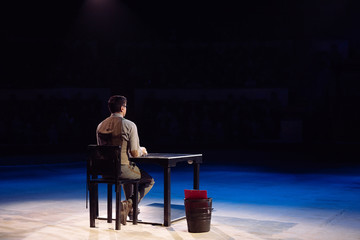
(258,75)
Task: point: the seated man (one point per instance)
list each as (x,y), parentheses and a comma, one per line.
(116,130)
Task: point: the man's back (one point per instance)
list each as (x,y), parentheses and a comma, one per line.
(109,131)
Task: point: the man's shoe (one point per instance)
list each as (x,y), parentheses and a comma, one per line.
(126,206)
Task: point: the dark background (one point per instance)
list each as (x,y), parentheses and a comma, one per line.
(199,76)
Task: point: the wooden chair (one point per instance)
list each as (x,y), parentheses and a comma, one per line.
(104,166)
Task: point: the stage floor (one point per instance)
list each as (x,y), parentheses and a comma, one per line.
(47,201)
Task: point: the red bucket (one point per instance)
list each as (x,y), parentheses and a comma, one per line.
(195,194)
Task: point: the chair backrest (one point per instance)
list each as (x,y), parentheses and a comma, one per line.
(104,160)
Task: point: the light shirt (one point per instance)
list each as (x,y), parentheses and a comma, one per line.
(117,130)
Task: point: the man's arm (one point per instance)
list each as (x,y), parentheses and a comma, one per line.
(135,149)
(135,153)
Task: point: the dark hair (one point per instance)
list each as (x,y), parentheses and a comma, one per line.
(116,102)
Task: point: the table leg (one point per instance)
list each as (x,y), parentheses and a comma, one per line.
(167,197)
(196,175)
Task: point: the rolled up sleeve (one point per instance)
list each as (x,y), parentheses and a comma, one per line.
(132,137)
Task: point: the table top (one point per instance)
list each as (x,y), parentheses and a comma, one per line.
(169,155)
(168,159)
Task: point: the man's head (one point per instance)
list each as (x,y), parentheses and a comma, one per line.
(117,104)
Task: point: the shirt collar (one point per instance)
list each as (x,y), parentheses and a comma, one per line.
(116,115)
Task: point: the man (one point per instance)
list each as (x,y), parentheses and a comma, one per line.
(116,130)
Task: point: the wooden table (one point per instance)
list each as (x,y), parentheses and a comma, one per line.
(167,161)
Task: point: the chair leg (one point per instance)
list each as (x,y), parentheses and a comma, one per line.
(135,202)
(92,200)
(109,203)
(96,200)
(118,206)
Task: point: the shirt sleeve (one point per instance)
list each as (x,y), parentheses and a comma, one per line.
(134,141)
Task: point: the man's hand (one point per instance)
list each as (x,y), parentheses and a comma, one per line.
(144,152)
